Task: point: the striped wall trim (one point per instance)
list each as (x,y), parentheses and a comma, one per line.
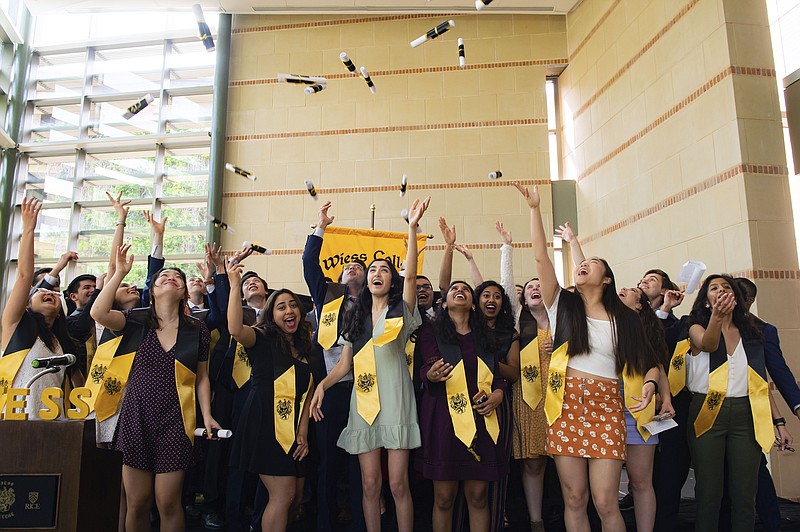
(619,73)
(389,129)
(689,192)
(768,274)
(421,70)
(727,72)
(596,27)
(382,188)
(428,247)
(341,22)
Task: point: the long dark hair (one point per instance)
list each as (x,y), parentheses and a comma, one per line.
(183,317)
(626,330)
(701,314)
(653,329)
(444,327)
(355,316)
(505,319)
(301,338)
(55,335)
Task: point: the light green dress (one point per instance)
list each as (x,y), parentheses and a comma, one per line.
(396,426)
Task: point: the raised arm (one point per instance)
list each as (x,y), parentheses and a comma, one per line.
(446,269)
(102,311)
(474,271)
(568,236)
(507,268)
(410,280)
(18,298)
(50,280)
(121,208)
(312,271)
(547,272)
(155,261)
(241,333)
(707,338)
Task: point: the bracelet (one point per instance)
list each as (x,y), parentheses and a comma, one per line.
(655,384)
(779,422)
(120,222)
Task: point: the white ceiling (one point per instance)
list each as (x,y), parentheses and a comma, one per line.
(39,7)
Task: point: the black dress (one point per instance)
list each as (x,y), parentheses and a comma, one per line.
(255,447)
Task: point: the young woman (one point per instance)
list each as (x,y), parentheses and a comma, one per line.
(462,376)
(383,411)
(728,415)
(34,325)
(597,341)
(161,363)
(271,438)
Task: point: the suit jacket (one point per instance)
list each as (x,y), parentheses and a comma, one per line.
(777,368)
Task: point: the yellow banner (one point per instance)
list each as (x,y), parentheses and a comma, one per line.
(343,245)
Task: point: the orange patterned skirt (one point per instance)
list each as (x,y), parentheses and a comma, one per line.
(592,421)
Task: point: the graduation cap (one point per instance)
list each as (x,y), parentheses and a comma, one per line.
(203,29)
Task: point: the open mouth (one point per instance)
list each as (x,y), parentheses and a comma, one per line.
(377,282)
(422,297)
(48,299)
(459,297)
(290,322)
(491,308)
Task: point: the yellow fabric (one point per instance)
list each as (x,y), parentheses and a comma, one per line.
(241,366)
(366,245)
(9,366)
(115,377)
(284,396)
(409,349)
(91,349)
(633,387)
(677,367)
(102,359)
(531,374)
(391,328)
(717,388)
(328,327)
(184,381)
(556,377)
(368,401)
(485,378)
(758,390)
(459,404)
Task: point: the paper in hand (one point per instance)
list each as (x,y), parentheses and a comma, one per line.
(654,427)
(691,273)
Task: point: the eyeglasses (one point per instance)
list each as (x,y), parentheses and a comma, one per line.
(424,287)
(354,266)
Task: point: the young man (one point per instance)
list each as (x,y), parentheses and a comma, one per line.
(80,324)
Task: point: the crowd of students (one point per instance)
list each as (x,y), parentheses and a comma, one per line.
(387,387)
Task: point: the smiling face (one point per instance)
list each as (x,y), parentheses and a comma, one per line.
(170,283)
(253,287)
(533,294)
(491,302)
(127,296)
(459,296)
(286,313)
(591,272)
(353,273)
(379,278)
(631,297)
(82,294)
(45,302)
(652,285)
(196,285)
(424,294)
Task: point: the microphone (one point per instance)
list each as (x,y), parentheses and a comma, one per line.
(215,433)
(50,362)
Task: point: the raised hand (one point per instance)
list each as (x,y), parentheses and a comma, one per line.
(464,250)
(439,371)
(565,232)
(723,306)
(324,219)
(532,197)
(30,212)
(204,269)
(505,236)
(672,298)
(449,234)
(158,227)
(214,256)
(120,207)
(234,269)
(417,210)
(66,258)
(124,263)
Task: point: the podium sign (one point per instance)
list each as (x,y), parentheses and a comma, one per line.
(28,501)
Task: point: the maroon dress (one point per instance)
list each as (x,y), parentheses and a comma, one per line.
(150,432)
(444,456)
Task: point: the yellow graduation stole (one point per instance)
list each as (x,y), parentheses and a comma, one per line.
(285,399)
(241,364)
(758,393)
(17,349)
(677,367)
(91,349)
(556,379)
(328,326)
(531,371)
(633,386)
(411,344)
(368,401)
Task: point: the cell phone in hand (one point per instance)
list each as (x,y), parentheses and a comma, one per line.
(662,417)
(480,398)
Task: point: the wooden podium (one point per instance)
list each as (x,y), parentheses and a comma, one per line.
(55,475)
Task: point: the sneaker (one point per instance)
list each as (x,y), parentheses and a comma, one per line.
(213,522)
(626,503)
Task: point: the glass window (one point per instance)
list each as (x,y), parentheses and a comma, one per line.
(51,123)
(59,75)
(129,173)
(97,226)
(190,65)
(106,119)
(51,238)
(552,137)
(189,113)
(186,228)
(186,172)
(50,178)
(128,69)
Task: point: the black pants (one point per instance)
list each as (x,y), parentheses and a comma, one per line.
(334,462)
(767,509)
(671,466)
(216,471)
